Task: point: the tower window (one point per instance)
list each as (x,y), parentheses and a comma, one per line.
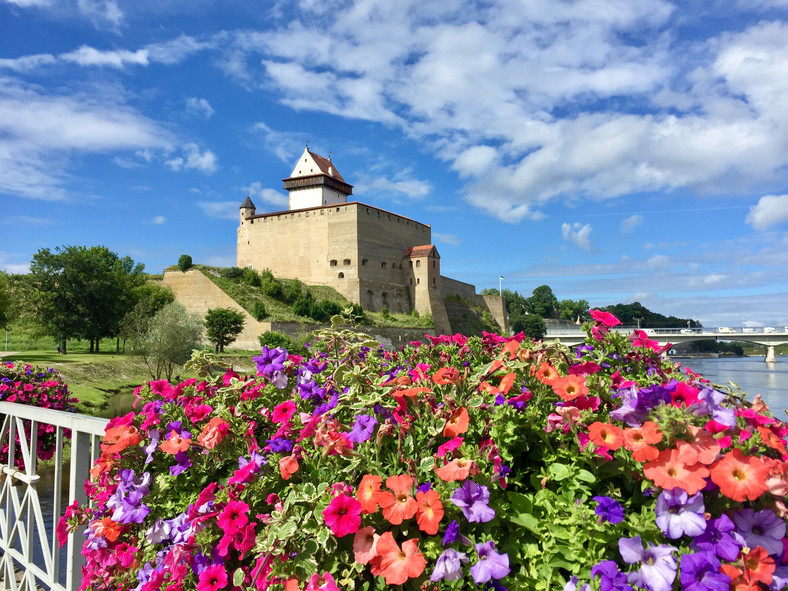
(383,265)
(333,262)
(418,264)
(341,275)
(363,262)
(346,262)
(418,280)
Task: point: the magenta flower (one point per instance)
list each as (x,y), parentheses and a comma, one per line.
(233,517)
(657,564)
(212,578)
(343,515)
(491,565)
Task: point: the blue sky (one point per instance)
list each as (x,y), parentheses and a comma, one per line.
(617,151)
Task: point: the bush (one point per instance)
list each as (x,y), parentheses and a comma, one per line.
(185,262)
(258,311)
(304,306)
(273,339)
(232,273)
(385,312)
(329,308)
(486,461)
(271,287)
(251,277)
(292,291)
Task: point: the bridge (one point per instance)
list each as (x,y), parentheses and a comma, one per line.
(574,336)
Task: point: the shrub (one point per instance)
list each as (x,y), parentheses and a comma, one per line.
(292,291)
(304,306)
(273,339)
(258,310)
(329,308)
(385,312)
(222,326)
(184,262)
(271,287)
(251,277)
(454,464)
(232,273)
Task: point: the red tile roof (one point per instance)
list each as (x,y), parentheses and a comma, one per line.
(325,164)
(420,251)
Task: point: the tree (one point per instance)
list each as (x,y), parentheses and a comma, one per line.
(83,292)
(223,325)
(572,310)
(170,339)
(543,302)
(532,325)
(184,262)
(5,299)
(151,297)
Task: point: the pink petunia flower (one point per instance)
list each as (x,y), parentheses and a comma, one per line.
(343,515)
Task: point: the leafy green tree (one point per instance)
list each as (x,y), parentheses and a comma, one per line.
(572,310)
(5,299)
(223,325)
(83,292)
(258,310)
(151,297)
(171,337)
(532,325)
(543,302)
(185,262)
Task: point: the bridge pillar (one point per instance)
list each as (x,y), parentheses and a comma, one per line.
(770,356)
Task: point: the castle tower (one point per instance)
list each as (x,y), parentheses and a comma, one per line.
(315,182)
(247,209)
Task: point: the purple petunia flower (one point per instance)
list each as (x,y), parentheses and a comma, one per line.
(363,428)
(657,564)
(763,528)
(679,514)
(710,402)
(571,585)
(609,509)
(473,499)
(720,538)
(270,361)
(701,572)
(453,533)
(610,578)
(491,565)
(448,567)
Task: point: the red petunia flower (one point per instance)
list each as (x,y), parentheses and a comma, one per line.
(457,423)
(429,512)
(367,493)
(759,566)
(740,477)
(175,443)
(606,435)
(398,565)
(669,471)
(288,465)
(119,438)
(213,433)
(397,505)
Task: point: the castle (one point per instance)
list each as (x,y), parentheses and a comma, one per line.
(371,256)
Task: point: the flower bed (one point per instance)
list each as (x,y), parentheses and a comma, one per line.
(455,464)
(44,388)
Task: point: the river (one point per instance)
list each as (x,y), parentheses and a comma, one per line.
(751,374)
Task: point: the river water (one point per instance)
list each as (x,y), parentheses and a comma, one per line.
(751,374)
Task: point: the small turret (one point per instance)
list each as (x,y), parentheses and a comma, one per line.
(247,209)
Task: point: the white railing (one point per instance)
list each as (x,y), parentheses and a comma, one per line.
(31,559)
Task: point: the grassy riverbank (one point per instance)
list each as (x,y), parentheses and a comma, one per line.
(95,378)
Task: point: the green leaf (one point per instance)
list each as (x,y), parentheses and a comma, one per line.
(529,522)
(560,471)
(322,536)
(585,476)
(238,577)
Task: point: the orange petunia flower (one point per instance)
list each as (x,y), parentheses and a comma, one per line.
(410,392)
(175,443)
(510,349)
(398,565)
(570,387)
(702,448)
(738,580)
(506,383)
(740,477)
(107,528)
(546,373)
(365,545)
(640,440)
(103,464)
(446,375)
(777,481)
(773,440)
(457,469)
(119,438)
(606,435)
(399,505)
(367,493)
(457,423)
(213,433)
(669,471)
(288,465)
(429,512)
(759,566)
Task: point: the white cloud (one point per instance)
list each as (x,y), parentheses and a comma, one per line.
(27,62)
(451,239)
(399,187)
(769,211)
(658,261)
(31,3)
(628,225)
(158,220)
(102,12)
(578,234)
(224,210)
(88,56)
(41,132)
(270,196)
(199,106)
(285,145)
(193,159)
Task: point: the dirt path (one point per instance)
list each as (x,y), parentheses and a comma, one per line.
(8,353)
